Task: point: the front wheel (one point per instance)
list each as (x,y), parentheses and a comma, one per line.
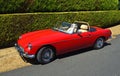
(99,43)
(45,55)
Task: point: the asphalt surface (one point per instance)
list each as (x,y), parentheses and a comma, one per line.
(102,62)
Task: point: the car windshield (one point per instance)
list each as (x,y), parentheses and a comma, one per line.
(64,27)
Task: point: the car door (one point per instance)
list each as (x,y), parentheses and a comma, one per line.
(81,40)
(74,42)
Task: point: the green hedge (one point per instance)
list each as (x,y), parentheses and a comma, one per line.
(119,5)
(13,25)
(14,6)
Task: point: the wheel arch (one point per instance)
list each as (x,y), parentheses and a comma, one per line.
(102,37)
(48,45)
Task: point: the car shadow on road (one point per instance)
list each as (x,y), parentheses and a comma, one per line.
(76,52)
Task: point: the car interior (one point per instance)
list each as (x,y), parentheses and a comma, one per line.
(72,29)
(79,27)
(83,28)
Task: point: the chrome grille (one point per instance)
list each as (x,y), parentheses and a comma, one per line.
(21,49)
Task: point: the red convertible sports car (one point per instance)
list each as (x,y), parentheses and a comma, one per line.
(44,45)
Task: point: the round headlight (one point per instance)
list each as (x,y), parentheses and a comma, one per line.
(29,46)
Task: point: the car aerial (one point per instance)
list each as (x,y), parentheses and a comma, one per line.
(45,45)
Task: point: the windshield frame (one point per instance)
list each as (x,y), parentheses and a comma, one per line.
(60,25)
(72,27)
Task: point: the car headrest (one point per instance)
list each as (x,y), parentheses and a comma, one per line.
(84,27)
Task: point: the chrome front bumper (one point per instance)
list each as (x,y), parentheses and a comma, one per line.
(22,53)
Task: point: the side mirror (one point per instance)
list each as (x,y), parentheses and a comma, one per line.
(79,33)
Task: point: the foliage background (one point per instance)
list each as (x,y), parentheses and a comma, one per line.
(22,6)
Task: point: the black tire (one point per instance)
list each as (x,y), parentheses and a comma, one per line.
(99,43)
(45,55)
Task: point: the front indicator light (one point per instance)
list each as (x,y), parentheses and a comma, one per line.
(29,46)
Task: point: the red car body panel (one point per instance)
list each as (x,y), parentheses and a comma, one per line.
(62,42)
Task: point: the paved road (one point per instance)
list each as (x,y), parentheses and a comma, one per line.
(103,62)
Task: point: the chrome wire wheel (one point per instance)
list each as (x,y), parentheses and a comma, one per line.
(45,55)
(99,43)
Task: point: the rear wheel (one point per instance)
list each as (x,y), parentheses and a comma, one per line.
(45,55)
(99,43)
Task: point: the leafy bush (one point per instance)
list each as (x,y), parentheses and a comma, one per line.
(11,6)
(119,5)
(74,5)
(13,25)
(14,6)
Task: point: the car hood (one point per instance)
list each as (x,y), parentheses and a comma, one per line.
(42,36)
